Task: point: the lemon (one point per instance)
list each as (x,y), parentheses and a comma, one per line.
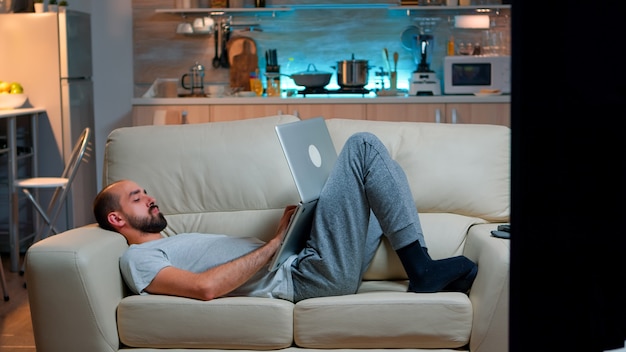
(5,87)
(16,88)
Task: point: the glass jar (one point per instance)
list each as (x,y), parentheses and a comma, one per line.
(256,85)
(273,84)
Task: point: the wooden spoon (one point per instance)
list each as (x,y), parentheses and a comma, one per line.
(396,56)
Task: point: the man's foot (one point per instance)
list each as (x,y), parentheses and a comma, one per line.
(450,274)
(463,284)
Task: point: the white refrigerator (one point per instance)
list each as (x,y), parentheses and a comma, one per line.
(50,55)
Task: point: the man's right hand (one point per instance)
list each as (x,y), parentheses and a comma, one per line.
(284,221)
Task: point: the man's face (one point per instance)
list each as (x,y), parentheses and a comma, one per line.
(140,209)
(153,222)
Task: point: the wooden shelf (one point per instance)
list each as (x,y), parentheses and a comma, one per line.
(221,11)
(449,8)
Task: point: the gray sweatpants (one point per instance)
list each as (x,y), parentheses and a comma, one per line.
(366,195)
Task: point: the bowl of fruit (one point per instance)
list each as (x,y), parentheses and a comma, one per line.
(12,95)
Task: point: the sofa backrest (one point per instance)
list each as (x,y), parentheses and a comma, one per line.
(452,168)
(232,177)
(220,177)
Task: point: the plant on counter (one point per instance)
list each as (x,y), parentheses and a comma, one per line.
(62,3)
(38,6)
(52,6)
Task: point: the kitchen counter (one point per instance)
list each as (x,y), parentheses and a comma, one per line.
(494,109)
(370,98)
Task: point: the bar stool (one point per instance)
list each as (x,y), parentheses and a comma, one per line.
(5,290)
(61,186)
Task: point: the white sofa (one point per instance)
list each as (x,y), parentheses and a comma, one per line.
(231,177)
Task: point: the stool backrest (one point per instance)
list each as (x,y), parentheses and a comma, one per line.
(80,153)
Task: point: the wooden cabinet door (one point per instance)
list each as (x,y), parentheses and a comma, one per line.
(328,111)
(484,113)
(169,114)
(406,112)
(242,112)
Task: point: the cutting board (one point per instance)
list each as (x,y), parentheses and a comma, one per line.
(242,57)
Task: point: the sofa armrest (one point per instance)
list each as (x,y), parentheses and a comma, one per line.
(490,291)
(74,288)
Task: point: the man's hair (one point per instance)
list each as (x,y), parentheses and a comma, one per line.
(104,203)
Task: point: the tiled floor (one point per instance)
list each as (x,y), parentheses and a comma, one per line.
(16,330)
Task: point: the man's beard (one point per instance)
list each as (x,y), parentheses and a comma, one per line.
(152,224)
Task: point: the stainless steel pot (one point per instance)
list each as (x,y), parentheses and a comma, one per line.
(352,73)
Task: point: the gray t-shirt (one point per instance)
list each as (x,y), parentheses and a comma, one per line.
(198,252)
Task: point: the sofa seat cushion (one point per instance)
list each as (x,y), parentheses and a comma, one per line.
(227,323)
(377,317)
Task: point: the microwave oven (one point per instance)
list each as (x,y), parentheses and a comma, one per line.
(468,74)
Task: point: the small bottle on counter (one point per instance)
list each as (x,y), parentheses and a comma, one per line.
(182,4)
(451,50)
(219,3)
(255,83)
(477,50)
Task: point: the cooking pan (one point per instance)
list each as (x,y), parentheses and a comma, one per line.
(311,78)
(352,73)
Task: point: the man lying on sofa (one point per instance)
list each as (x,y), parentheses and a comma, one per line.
(343,241)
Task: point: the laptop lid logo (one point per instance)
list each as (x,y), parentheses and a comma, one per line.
(315,156)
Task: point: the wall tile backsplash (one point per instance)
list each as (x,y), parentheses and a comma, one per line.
(322,36)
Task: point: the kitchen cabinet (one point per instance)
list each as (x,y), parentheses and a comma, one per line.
(406,112)
(486,113)
(242,112)
(437,109)
(479,113)
(170,114)
(344,111)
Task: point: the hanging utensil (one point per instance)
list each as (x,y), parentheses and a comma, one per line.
(216,58)
(225,37)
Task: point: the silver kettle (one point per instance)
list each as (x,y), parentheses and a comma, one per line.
(195,78)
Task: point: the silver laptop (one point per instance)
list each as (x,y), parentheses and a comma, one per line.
(310,153)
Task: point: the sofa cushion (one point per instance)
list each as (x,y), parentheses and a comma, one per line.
(384,319)
(452,168)
(392,318)
(225,323)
